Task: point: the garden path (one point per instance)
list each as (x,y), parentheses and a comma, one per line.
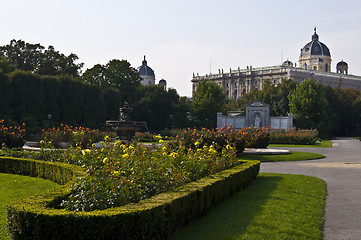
(341,170)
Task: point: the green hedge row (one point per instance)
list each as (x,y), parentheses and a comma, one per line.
(154,218)
(30,98)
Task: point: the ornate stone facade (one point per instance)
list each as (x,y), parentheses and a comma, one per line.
(314,63)
(257,115)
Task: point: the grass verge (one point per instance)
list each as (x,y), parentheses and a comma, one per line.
(322,144)
(275,206)
(293,156)
(15,187)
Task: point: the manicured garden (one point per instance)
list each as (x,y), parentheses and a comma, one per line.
(15,187)
(120,176)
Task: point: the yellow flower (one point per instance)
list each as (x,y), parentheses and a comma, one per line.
(164,149)
(107,138)
(161,141)
(116,173)
(85,151)
(196,143)
(228,147)
(158,137)
(125,155)
(105,160)
(173,154)
(118,143)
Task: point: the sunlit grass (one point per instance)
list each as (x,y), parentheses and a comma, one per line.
(322,144)
(293,156)
(275,206)
(15,187)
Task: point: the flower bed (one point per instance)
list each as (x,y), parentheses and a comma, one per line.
(12,136)
(79,136)
(294,136)
(120,174)
(154,218)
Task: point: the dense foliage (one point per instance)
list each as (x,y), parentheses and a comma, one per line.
(11,136)
(333,111)
(75,136)
(45,100)
(117,74)
(208,100)
(310,107)
(120,174)
(37,59)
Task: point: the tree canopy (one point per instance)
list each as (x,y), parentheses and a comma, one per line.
(207,101)
(310,107)
(117,74)
(37,59)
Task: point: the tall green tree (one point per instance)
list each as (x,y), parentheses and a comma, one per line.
(53,62)
(159,107)
(117,74)
(208,100)
(275,96)
(310,107)
(33,57)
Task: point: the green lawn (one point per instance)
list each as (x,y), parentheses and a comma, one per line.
(14,187)
(293,156)
(275,206)
(322,144)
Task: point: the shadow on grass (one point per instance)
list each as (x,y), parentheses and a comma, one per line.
(232,217)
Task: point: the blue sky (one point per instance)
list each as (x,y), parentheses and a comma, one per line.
(182,37)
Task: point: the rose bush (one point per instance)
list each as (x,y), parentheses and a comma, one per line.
(294,136)
(12,136)
(121,174)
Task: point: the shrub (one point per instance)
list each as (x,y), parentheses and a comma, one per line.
(241,138)
(256,137)
(76,136)
(154,218)
(12,136)
(120,174)
(294,136)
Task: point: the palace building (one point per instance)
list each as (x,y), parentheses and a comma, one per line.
(314,62)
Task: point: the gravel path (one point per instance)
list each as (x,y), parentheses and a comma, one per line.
(341,169)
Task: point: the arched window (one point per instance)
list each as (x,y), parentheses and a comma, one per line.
(326,67)
(305,66)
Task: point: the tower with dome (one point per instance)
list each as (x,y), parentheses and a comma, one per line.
(314,62)
(147,75)
(315,55)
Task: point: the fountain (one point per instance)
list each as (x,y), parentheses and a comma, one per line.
(125,128)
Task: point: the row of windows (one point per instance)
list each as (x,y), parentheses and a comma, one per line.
(320,68)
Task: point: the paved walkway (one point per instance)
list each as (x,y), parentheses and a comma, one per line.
(341,169)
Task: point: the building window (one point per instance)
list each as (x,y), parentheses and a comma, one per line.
(326,67)
(314,68)
(305,66)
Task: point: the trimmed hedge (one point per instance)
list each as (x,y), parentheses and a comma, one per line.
(154,218)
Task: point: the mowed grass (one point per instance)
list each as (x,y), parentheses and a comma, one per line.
(293,156)
(322,144)
(275,206)
(15,187)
